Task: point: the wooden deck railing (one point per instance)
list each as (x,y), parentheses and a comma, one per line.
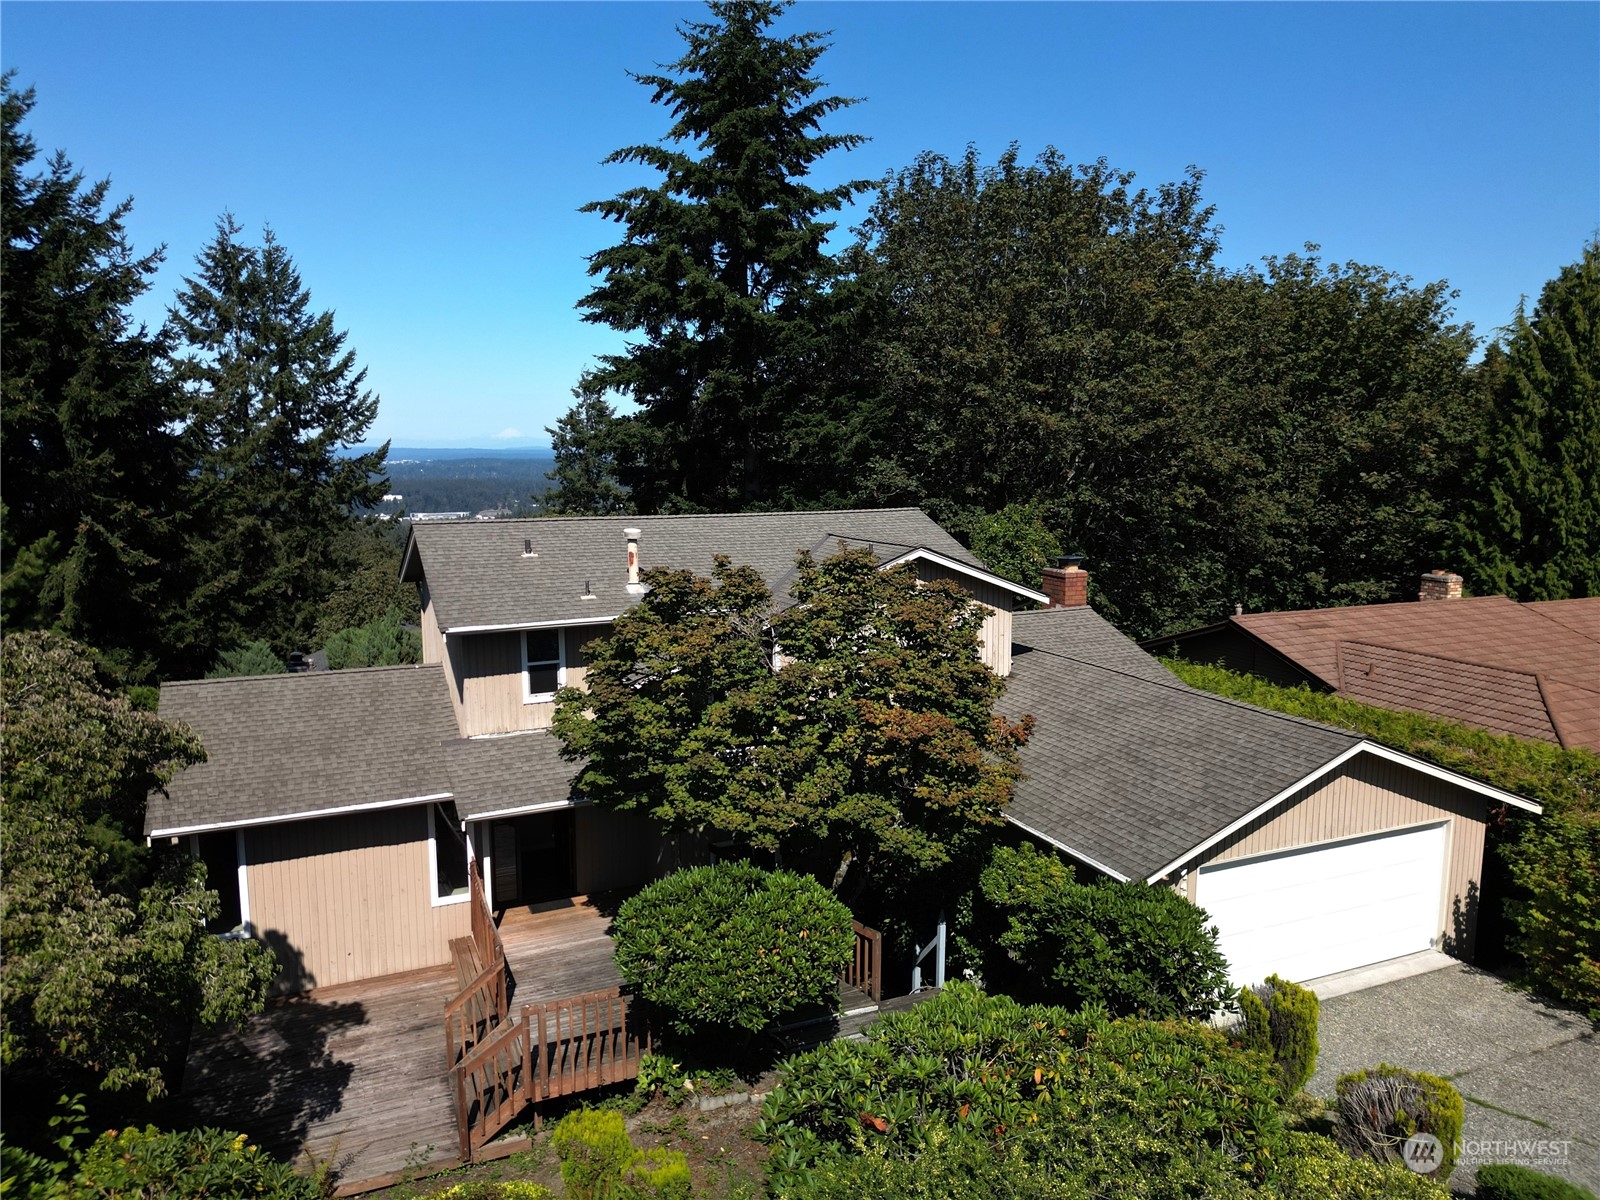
(558,1048)
(583,1042)
(485,936)
(866,963)
(471,1016)
(491,1086)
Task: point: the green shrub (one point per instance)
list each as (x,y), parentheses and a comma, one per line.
(509,1190)
(1317,1169)
(594,1149)
(383,642)
(657,1175)
(252,658)
(1557,860)
(1137,948)
(1505,1181)
(661,1074)
(1280,1020)
(1379,1109)
(192,1164)
(733,946)
(1107,1102)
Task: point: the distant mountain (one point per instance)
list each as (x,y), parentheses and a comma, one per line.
(451,479)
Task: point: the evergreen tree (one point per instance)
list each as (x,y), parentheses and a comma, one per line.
(585,444)
(719,266)
(277,399)
(1533,530)
(93,474)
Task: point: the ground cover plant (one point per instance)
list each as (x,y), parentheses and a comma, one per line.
(733,946)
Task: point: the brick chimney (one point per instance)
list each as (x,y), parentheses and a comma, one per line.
(632,534)
(1440,585)
(1066,583)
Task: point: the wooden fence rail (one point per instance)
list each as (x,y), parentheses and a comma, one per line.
(865,970)
(471,1016)
(491,1086)
(583,1042)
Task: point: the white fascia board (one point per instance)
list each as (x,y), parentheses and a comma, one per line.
(1361,747)
(308,814)
(1062,846)
(520,810)
(989,577)
(521,625)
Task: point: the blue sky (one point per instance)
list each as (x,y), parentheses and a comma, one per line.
(424,162)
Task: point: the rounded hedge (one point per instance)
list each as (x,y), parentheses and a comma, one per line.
(733,946)
(1507,1181)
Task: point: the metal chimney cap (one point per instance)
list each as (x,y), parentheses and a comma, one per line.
(631,532)
(1070,561)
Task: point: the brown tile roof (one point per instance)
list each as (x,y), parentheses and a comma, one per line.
(1532,670)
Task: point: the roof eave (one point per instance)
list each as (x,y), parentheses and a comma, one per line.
(989,577)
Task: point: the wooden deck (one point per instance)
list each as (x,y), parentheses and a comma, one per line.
(355,1075)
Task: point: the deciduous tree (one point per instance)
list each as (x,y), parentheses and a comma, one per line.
(719,266)
(874,745)
(108,963)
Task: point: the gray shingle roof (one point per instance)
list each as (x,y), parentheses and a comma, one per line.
(478,575)
(278,745)
(491,775)
(1130,768)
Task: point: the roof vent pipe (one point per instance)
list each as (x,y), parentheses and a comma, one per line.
(632,535)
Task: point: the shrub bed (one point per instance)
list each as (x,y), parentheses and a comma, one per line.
(1379,1109)
(733,946)
(1140,950)
(1507,1181)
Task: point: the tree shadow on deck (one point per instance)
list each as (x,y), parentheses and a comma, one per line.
(272,1076)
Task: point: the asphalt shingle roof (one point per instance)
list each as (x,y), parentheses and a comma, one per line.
(478,574)
(1129,767)
(1527,669)
(523,770)
(277,745)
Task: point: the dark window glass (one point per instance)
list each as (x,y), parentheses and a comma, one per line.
(450,854)
(544,645)
(542,679)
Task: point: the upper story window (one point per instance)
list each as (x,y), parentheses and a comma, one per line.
(544,667)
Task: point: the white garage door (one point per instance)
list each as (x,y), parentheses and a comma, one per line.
(1305,913)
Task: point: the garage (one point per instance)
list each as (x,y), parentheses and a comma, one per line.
(1312,911)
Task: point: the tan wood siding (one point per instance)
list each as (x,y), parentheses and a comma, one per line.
(1370,795)
(485,673)
(432,639)
(995,632)
(615,849)
(346,898)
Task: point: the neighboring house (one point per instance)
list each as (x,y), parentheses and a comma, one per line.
(1532,669)
(1314,850)
(349,806)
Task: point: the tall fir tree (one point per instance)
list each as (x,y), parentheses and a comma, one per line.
(1533,528)
(94,478)
(719,266)
(585,477)
(277,400)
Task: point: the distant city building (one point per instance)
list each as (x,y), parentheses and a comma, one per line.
(395,496)
(441,516)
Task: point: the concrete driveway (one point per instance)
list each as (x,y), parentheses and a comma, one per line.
(1529,1073)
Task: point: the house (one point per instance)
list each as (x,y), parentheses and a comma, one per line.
(1528,669)
(1313,849)
(350,807)
(346,806)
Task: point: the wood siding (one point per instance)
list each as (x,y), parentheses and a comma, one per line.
(346,898)
(616,850)
(996,630)
(432,639)
(485,675)
(1370,795)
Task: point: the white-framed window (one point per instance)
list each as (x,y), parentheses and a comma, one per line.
(544,665)
(447,859)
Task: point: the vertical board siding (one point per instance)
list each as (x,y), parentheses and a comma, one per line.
(996,630)
(432,639)
(615,849)
(346,898)
(1370,795)
(485,670)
